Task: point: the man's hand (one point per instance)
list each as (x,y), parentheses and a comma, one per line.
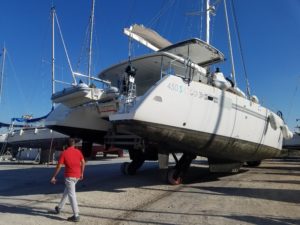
(81,177)
(53,180)
(57,169)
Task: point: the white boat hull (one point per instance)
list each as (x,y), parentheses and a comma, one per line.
(202,119)
(41,137)
(84,122)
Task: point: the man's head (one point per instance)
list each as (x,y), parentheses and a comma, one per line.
(71,142)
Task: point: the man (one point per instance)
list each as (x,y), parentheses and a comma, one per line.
(74,163)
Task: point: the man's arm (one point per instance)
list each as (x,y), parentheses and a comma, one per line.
(57,169)
(82,165)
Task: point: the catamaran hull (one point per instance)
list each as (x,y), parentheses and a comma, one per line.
(198,118)
(203,144)
(83,122)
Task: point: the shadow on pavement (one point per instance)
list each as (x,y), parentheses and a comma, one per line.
(28,211)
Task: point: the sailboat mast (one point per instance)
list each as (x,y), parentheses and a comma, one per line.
(2,71)
(230,46)
(53,52)
(91,41)
(207,21)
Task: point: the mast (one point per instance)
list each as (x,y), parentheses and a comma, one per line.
(2,71)
(53,52)
(207,21)
(91,41)
(230,46)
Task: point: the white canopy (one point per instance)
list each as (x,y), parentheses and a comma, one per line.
(196,50)
(147,37)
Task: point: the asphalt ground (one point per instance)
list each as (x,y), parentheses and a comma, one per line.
(268,194)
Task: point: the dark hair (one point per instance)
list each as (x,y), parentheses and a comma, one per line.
(71,142)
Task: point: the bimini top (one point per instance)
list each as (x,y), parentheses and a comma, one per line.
(147,37)
(196,50)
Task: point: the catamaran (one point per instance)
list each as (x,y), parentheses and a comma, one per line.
(174,103)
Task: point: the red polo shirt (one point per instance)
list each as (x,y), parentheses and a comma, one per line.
(71,158)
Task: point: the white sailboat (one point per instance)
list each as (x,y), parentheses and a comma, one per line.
(31,133)
(28,134)
(175,104)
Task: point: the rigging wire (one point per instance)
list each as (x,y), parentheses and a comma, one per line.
(170,18)
(17,81)
(40,70)
(216,4)
(199,26)
(96,54)
(188,24)
(91,41)
(83,47)
(164,8)
(240,46)
(83,56)
(230,44)
(130,13)
(2,71)
(65,48)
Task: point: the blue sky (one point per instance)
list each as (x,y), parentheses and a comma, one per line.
(269,31)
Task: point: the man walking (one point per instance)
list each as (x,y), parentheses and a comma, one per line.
(74,163)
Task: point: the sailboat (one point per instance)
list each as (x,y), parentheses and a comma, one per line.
(175,104)
(27,134)
(78,112)
(33,134)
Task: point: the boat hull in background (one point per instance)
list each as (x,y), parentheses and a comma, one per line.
(293,143)
(41,137)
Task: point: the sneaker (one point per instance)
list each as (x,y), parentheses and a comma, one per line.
(74,218)
(57,210)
